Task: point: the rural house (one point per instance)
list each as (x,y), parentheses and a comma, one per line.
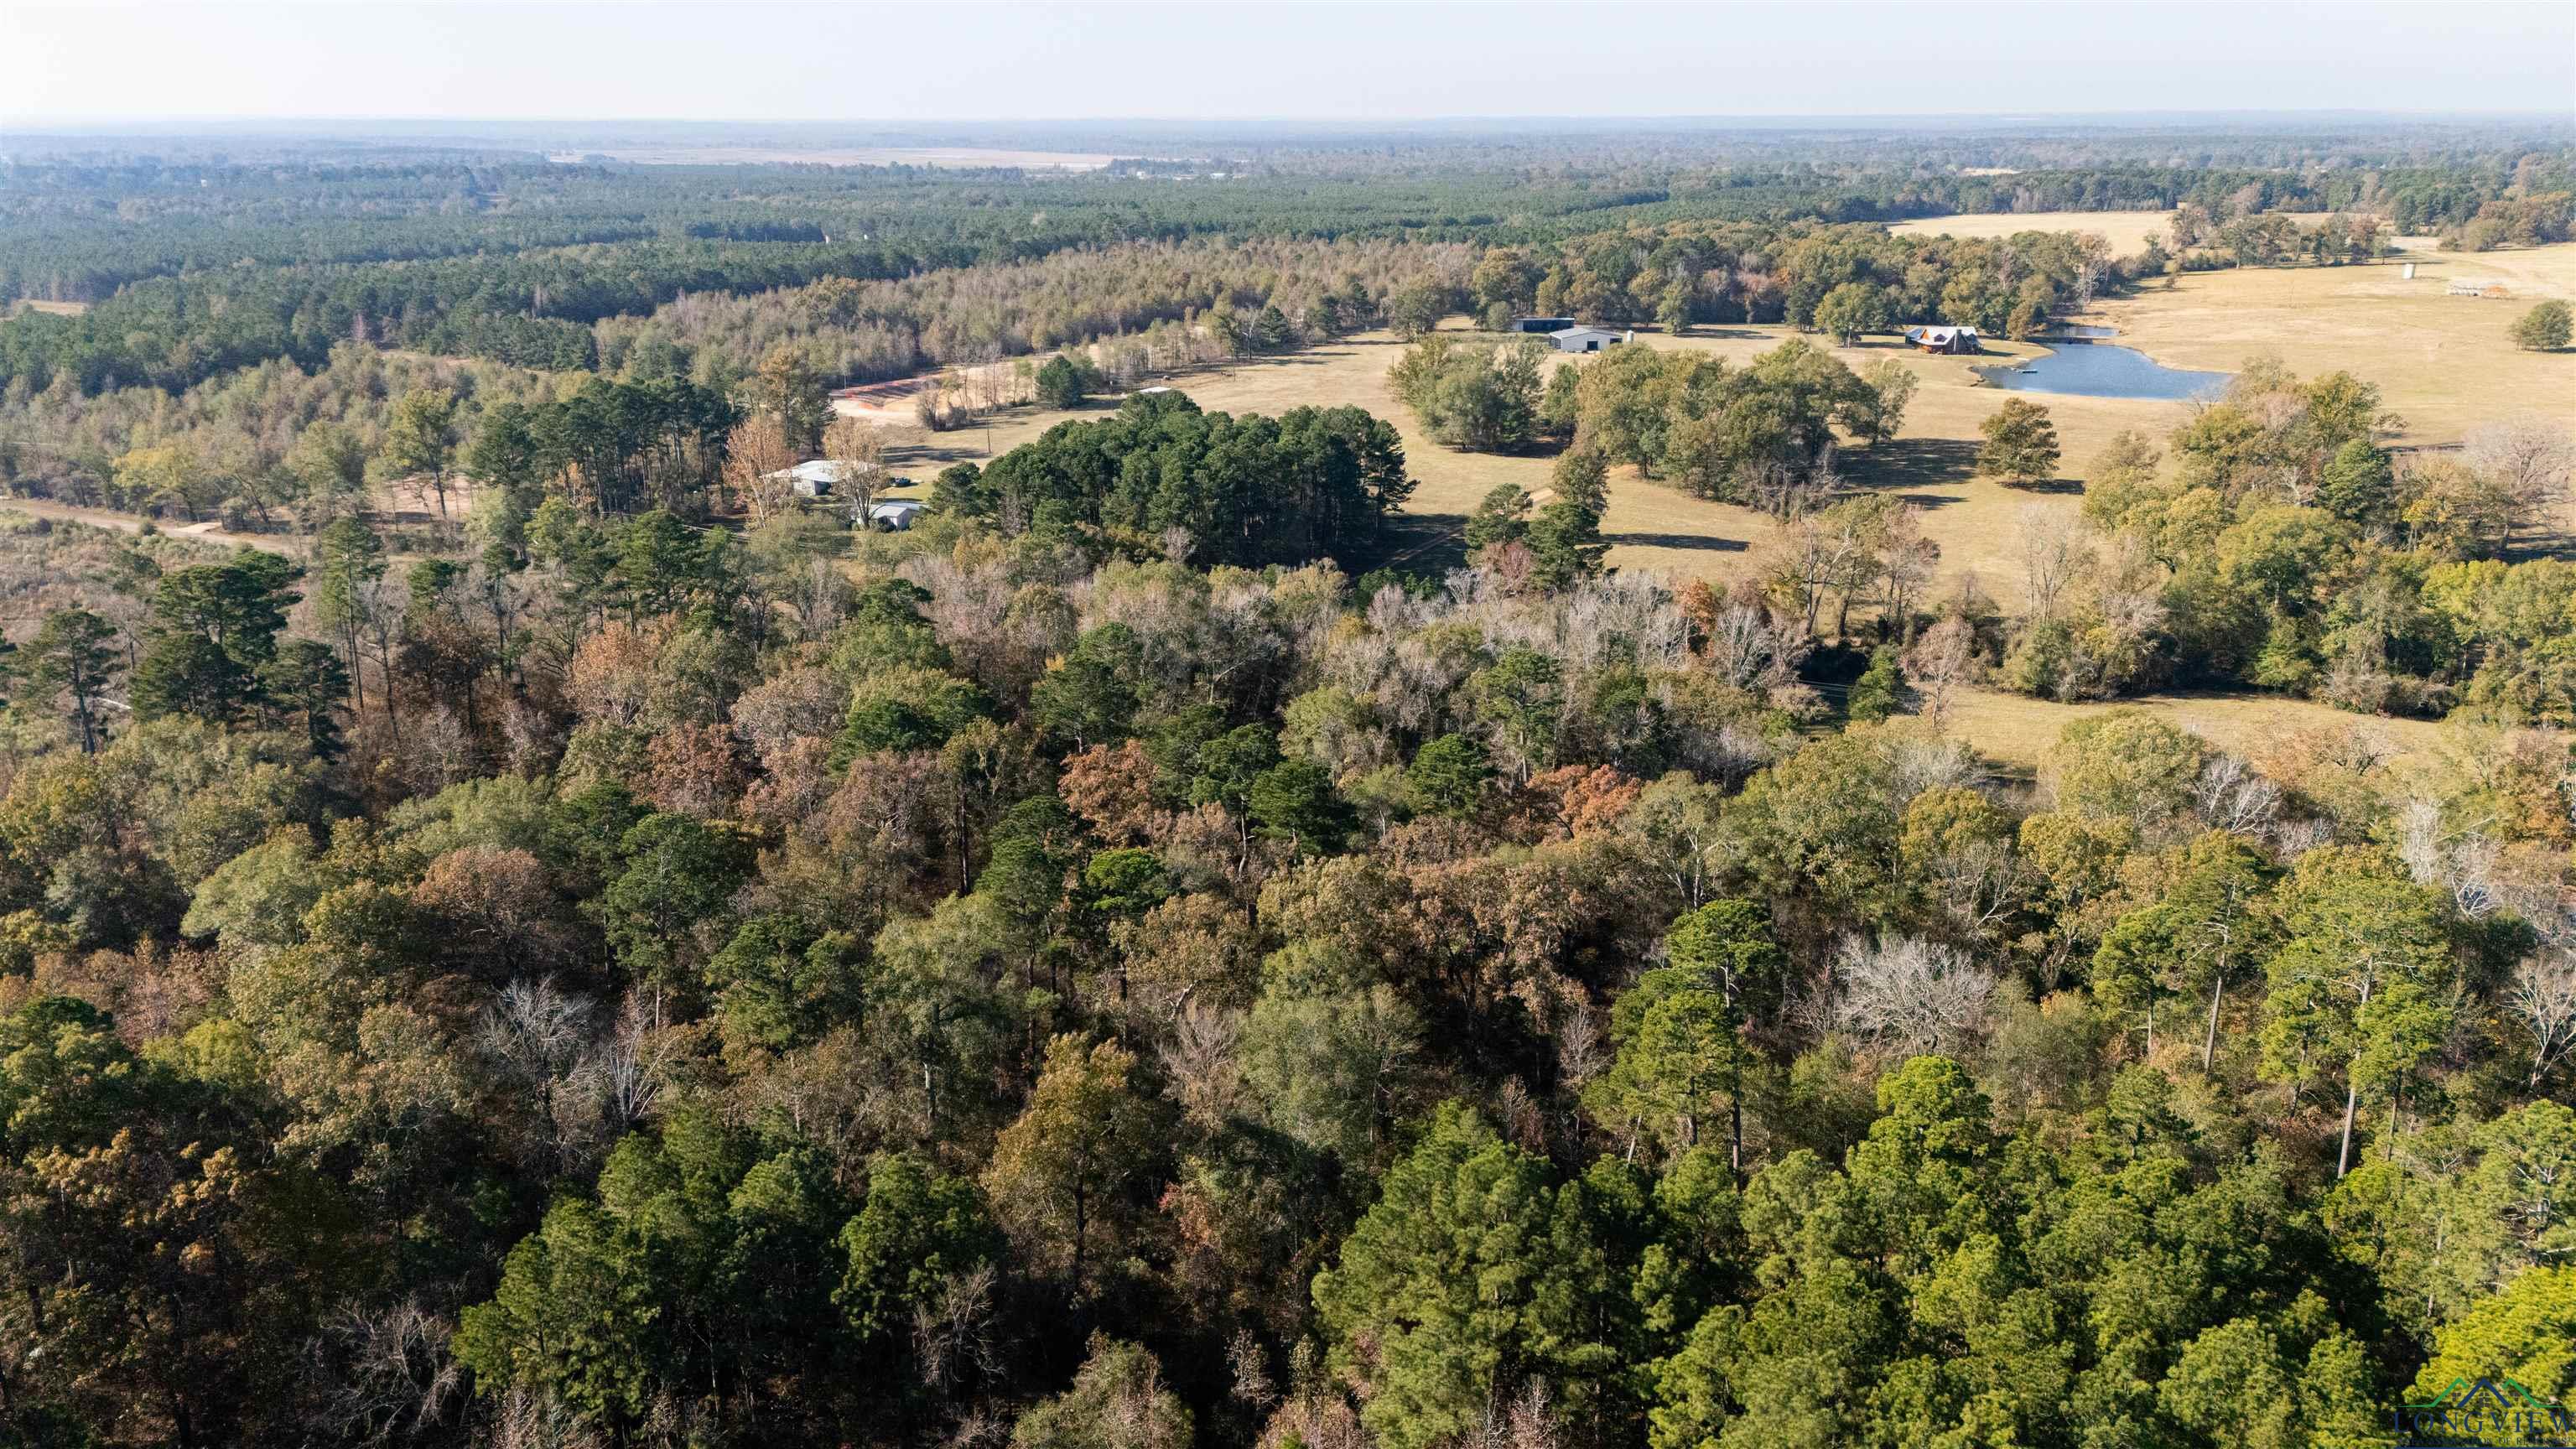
(895,515)
(1541,324)
(1586,339)
(1943,339)
(814,479)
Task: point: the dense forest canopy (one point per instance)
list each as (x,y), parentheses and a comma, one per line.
(1170,948)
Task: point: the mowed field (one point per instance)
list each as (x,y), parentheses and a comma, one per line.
(2444,363)
(2016,731)
(2126,231)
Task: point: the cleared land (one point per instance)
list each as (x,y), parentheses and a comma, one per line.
(2444,363)
(2015,730)
(2126,231)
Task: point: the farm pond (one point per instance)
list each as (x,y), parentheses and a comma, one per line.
(2084,365)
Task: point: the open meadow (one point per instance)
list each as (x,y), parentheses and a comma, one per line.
(2016,731)
(2126,231)
(2443,362)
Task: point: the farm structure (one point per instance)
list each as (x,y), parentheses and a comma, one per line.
(815,478)
(1587,339)
(2465,287)
(1943,339)
(1541,324)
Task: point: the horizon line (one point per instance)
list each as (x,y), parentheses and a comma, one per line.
(57,120)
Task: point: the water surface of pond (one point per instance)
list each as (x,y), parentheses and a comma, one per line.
(2087,368)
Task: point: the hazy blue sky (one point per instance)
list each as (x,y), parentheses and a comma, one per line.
(933,59)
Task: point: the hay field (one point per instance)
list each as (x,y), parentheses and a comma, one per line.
(2443,362)
(2126,231)
(2015,730)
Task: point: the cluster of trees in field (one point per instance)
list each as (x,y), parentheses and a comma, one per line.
(2272,541)
(1761,433)
(1848,279)
(2263,239)
(1166,477)
(1005,983)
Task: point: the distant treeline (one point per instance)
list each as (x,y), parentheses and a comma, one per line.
(195,269)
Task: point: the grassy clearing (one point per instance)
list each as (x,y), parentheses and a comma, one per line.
(2126,231)
(2015,731)
(2444,362)
(59,309)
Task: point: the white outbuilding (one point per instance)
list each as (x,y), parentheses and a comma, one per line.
(894,515)
(817,478)
(1585,339)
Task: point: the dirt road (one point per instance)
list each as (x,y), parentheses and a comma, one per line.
(209,531)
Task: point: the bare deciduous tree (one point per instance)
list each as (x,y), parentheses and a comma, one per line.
(2542,997)
(2055,548)
(756,457)
(857,450)
(1907,996)
(952,1332)
(624,1078)
(2528,460)
(389,1377)
(2233,796)
(1940,664)
(2461,862)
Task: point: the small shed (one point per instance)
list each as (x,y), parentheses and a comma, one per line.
(1944,339)
(1586,339)
(894,515)
(1541,324)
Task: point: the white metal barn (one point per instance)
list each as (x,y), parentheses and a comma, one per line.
(1585,339)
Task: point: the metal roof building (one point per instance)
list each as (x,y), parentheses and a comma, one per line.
(1585,339)
(1943,339)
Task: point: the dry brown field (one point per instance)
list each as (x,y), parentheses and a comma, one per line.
(2016,731)
(2126,231)
(2443,362)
